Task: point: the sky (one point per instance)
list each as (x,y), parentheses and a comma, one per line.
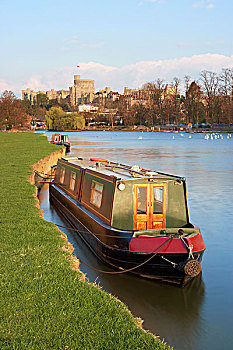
(116,43)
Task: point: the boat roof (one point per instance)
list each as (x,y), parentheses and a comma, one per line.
(117,170)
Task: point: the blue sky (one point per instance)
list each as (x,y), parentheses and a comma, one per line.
(117,43)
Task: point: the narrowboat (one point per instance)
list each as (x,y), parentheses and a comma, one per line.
(59,139)
(135,220)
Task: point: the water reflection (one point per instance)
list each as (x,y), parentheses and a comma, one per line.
(200,315)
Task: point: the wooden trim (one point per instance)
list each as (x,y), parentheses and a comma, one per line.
(101,176)
(71,179)
(93,189)
(69,165)
(92,210)
(66,191)
(149,217)
(140,217)
(159,217)
(102,217)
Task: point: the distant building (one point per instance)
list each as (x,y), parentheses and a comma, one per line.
(83,91)
(88,108)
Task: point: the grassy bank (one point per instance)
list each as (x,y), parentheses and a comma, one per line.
(44,303)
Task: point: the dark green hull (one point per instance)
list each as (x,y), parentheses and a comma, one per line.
(114,250)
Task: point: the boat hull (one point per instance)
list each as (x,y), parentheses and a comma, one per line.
(114,250)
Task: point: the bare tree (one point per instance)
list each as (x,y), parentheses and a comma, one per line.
(226,89)
(175,85)
(210,81)
(155,91)
(195,109)
(226,81)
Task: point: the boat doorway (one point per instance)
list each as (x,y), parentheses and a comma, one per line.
(150,206)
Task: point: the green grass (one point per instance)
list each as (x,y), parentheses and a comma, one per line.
(44,303)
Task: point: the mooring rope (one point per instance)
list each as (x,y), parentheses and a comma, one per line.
(110,236)
(92,233)
(128,270)
(122,270)
(42,175)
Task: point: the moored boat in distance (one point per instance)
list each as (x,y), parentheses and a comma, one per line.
(134,219)
(60,139)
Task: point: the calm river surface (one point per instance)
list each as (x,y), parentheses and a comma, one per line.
(199,316)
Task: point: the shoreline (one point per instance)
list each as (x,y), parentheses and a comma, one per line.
(47,304)
(193,131)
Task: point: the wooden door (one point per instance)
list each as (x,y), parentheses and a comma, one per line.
(158,196)
(149,206)
(141,207)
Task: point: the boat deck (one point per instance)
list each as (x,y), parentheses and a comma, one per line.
(118,170)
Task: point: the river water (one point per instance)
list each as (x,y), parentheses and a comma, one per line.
(199,316)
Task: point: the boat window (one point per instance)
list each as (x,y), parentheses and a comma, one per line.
(72,180)
(62,175)
(141,200)
(96,193)
(158,200)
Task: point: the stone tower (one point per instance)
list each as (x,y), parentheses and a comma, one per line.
(82,91)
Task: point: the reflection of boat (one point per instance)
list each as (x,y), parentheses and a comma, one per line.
(131,218)
(60,139)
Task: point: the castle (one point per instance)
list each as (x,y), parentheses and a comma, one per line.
(83,91)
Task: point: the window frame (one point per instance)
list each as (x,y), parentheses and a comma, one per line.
(72,180)
(62,175)
(96,195)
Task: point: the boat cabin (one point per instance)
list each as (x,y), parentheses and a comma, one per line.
(124,197)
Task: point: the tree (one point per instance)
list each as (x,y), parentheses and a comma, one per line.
(195,109)
(140,114)
(210,82)
(27,106)
(176,99)
(226,89)
(42,100)
(168,110)
(226,80)
(12,112)
(53,118)
(155,92)
(57,119)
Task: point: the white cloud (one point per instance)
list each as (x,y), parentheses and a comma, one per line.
(9,85)
(202,4)
(210,6)
(133,75)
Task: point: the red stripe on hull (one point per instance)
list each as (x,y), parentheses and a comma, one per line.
(152,244)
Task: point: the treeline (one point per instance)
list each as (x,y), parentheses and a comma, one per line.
(42,104)
(208,100)
(18,114)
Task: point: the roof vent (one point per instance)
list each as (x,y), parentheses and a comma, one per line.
(151,173)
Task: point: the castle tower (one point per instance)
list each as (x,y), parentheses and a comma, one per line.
(82,91)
